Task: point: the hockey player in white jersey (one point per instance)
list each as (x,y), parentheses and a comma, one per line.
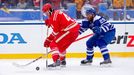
(103,31)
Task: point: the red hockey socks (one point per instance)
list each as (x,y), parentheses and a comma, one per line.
(55,57)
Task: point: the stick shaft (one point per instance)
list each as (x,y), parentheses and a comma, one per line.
(47,49)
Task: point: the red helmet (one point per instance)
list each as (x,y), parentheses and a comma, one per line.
(46,7)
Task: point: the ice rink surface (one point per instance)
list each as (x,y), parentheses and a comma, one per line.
(120,66)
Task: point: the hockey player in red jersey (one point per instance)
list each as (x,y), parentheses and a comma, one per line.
(65,31)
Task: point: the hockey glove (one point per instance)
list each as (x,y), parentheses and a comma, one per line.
(85,24)
(47,43)
(47,23)
(97,30)
(82,30)
(49,40)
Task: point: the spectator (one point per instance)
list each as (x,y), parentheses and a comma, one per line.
(13,3)
(129,4)
(118,4)
(79,4)
(115,15)
(6,4)
(30,4)
(46,1)
(109,3)
(0,3)
(55,4)
(65,2)
(95,3)
(22,4)
(36,4)
(133,4)
(4,8)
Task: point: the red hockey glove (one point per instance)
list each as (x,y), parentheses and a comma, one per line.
(47,43)
(47,23)
(49,40)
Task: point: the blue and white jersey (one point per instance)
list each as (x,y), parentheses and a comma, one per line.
(98,22)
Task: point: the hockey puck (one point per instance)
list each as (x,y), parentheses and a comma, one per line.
(37,68)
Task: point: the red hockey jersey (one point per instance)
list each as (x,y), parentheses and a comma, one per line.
(59,21)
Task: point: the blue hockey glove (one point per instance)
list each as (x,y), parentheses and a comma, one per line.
(85,24)
(82,30)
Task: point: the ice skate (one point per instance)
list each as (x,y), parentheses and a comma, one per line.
(55,64)
(86,62)
(63,63)
(107,62)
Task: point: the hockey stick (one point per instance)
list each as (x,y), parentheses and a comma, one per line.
(83,37)
(24,65)
(47,48)
(18,65)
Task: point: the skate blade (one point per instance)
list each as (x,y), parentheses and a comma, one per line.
(88,64)
(54,68)
(106,65)
(63,66)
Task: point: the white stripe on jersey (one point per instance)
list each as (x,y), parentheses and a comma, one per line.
(62,36)
(104,29)
(55,15)
(72,25)
(54,33)
(96,18)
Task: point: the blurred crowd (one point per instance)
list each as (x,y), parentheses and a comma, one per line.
(63,4)
(22,4)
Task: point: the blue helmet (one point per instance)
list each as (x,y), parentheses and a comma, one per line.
(87,9)
(91,11)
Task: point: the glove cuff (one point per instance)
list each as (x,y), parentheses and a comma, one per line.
(49,40)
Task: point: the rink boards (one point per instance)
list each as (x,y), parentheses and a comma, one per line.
(25,40)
